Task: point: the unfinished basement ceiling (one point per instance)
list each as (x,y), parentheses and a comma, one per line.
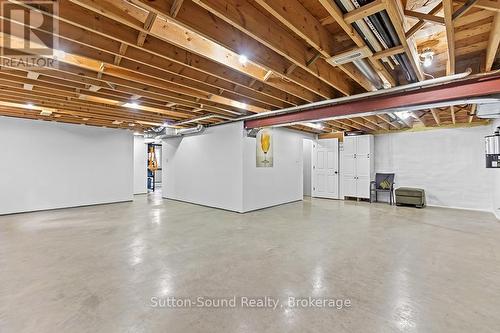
(139,64)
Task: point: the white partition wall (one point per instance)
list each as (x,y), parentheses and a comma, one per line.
(47,165)
(140,165)
(206,169)
(218,169)
(266,187)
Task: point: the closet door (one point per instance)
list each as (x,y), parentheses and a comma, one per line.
(363,187)
(349,166)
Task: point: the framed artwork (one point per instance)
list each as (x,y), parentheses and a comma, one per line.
(264,143)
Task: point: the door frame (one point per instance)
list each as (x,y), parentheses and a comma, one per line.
(313,180)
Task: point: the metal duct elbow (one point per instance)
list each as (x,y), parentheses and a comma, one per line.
(369,73)
(178,132)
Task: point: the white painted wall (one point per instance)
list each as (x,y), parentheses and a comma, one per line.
(47,165)
(266,187)
(217,169)
(448,163)
(495,179)
(140,165)
(206,169)
(307,166)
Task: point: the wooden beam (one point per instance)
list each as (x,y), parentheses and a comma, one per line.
(298,19)
(464,9)
(364,11)
(338,16)
(126,36)
(375,121)
(395,13)
(389,52)
(148,24)
(203,24)
(450,36)
(364,123)
(421,23)
(176,6)
(452,111)
(425,17)
(389,121)
(122,51)
(327,20)
(493,42)
(472,113)
(493,5)
(248,19)
(337,135)
(187,47)
(435,115)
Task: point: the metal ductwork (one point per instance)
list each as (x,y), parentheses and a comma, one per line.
(369,73)
(379,34)
(488,111)
(169,132)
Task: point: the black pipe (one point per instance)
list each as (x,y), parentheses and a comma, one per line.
(384,27)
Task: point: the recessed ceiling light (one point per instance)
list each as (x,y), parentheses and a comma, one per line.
(240,105)
(30,106)
(133,105)
(243,59)
(33,75)
(59,54)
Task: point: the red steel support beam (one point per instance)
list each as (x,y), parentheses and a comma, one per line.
(475,87)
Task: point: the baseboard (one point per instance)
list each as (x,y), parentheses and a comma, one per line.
(68,207)
(462,208)
(204,205)
(231,210)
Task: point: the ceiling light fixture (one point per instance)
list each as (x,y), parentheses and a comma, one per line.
(59,54)
(426,57)
(403,114)
(132,105)
(30,106)
(317,126)
(243,59)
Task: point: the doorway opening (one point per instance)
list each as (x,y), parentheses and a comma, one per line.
(154,167)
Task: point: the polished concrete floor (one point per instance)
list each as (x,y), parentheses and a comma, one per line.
(96,269)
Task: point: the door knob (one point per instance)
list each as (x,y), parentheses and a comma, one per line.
(336,172)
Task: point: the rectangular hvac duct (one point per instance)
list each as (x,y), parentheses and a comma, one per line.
(488,110)
(350,56)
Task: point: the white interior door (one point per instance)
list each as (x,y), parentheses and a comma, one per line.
(326,168)
(349,166)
